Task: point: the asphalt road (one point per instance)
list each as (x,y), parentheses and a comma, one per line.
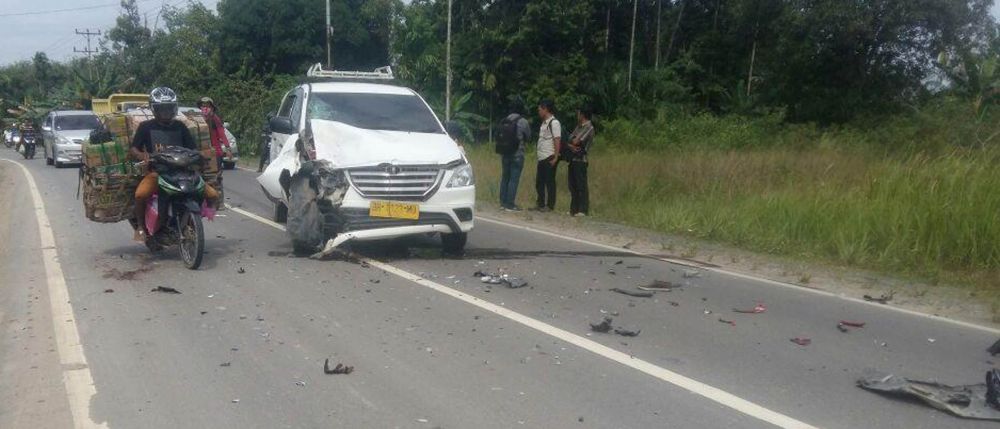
(432,346)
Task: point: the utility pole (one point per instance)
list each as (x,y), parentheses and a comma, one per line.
(88,34)
(329,37)
(659,19)
(631,46)
(447,61)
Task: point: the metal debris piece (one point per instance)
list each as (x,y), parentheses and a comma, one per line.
(504,279)
(994,349)
(225,364)
(883,299)
(968,401)
(619,262)
(757,309)
(339,369)
(603,327)
(633,293)
(691,274)
(627,333)
(660,285)
(801,341)
(165,289)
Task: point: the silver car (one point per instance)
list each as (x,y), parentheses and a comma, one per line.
(63,134)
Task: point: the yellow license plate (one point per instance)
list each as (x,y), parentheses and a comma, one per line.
(394,210)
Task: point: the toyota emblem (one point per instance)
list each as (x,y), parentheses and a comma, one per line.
(392,169)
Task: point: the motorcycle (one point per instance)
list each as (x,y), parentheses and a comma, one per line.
(173,214)
(29,147)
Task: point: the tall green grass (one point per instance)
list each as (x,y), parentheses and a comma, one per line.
(918,194)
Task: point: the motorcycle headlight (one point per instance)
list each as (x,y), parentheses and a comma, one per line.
(462,176)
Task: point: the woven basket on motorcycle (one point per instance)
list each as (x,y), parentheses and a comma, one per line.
(108,179)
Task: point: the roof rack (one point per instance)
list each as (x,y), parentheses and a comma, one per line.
(381,73)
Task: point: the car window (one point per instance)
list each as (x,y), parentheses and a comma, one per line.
(388,112)
(286,105)
(76,122)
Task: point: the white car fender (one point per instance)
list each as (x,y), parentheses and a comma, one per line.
(288,159)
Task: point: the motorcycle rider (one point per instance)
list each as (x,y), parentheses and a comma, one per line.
(26,131)
(150,137)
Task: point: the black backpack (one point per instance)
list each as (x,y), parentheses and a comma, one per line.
(508,141)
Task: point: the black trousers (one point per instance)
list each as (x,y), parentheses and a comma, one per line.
(545,184)
(579,192)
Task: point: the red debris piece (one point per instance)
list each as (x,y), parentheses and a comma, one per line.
(801,341)
(757,309)
(852,324)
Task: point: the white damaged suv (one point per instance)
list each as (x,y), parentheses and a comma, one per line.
(355,158)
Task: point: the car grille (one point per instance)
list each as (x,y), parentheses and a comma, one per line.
(407,183)
(78,141)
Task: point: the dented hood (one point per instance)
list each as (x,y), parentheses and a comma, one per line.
(346,146)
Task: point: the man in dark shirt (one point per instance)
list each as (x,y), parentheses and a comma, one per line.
(150,137)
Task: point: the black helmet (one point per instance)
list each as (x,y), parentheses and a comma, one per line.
(163,102)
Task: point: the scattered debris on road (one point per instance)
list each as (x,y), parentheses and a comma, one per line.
(240,270)
(633,293)
(728,322)
(114,273)
(627,332)
(971,401)
(757,309)
(109,291)
(236,401)
(504,279)
(883,299)
(994,349)
(852,323)
(801,341)
(165,289)
(226,364)
(660,286)
(339,369)
(619,262)
(688,274)
(674,303)
(603,327)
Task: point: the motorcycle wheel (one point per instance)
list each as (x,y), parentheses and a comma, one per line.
(192,241)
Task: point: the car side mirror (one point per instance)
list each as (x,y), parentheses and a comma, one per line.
(281,125)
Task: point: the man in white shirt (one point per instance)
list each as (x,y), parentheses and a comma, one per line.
(549,141)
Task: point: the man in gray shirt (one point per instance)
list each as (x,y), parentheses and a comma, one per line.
(514,132)
(580,142)
(549,141)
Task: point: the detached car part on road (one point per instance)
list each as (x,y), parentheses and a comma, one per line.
(355,158)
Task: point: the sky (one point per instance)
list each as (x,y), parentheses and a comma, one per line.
(53,32)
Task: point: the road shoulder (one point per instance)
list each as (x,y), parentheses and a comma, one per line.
(953,302)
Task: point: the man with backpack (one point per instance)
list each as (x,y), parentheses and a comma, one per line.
(549,145)
(514,132)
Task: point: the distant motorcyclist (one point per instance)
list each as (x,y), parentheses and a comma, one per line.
(26,131)
(150,137)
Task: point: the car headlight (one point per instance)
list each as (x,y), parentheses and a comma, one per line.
(64,140)
(462,176)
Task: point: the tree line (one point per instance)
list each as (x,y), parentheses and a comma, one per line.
(823,61)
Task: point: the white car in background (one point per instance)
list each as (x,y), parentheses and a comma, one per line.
(355,158)
(63,134)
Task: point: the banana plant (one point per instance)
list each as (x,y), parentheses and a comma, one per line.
(469,122)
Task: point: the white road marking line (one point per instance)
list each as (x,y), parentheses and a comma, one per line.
(726,272)
(80,388)
(712,393)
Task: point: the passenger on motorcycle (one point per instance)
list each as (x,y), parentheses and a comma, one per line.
(150,137)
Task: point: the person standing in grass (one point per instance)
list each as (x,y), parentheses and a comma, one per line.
(549,141)
(514,133)
(580,142)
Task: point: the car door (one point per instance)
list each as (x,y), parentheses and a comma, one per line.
(48,136)
(288,105)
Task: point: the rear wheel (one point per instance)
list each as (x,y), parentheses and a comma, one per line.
(454,244)
(280,212)
(192,245)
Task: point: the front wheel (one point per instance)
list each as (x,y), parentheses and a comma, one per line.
(192,245)
(454,244)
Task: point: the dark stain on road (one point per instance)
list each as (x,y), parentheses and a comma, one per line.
(130,275)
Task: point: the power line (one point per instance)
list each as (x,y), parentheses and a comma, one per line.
(71,9)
